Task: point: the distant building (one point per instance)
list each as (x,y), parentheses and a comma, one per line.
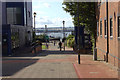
(113,32)
(16,25)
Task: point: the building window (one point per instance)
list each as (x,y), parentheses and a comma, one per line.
(105,26)
(119,26)
(111,27)
(100,27)
(14,15)
(97,28)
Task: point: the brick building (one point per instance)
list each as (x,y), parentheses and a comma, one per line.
(113,36)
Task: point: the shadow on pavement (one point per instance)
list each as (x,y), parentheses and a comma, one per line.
(10,67)
(61,79)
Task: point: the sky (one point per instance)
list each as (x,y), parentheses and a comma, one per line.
(51,13)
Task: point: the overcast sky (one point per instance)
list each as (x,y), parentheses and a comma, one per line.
(51,13)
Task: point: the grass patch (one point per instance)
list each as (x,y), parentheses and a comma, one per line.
(44,47)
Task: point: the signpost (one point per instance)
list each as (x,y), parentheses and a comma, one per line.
(80,41)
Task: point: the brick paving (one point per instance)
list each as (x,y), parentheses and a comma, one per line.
(53,63)
(47,64)
(41,68)
(94,69)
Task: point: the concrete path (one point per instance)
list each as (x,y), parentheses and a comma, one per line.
(48,64)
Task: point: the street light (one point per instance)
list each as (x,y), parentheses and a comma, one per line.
(64,33)
(46,35)
(34,23)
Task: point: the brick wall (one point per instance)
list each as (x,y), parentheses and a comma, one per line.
(119,45)
(114,43)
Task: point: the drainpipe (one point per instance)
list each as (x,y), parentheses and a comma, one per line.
(107,32)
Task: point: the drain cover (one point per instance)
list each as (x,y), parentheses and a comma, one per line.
(52,70)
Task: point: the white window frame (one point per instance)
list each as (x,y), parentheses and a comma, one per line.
(111,28)
(100,27)
(105,27)
(118,27)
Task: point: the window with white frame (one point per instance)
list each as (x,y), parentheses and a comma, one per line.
(105,27)
(119,26)
(111,27)
(100,27)
(97,28)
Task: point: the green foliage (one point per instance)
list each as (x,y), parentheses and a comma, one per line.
(85,14)
(15,39)
(70,40)
(42,38)
(44,47)
(93,41)
(70,36)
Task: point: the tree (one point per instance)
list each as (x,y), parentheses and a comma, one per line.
(87,15)
(42,37)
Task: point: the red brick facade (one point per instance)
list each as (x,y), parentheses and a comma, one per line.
(114,41)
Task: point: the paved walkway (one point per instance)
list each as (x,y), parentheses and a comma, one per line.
(48,64)
(94,69)
(53,63)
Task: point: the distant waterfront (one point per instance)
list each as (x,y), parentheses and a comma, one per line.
(59,34)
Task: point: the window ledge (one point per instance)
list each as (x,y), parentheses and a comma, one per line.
(118,38)
(111,37)
(105,36)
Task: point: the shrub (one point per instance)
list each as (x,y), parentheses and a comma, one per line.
(70,41)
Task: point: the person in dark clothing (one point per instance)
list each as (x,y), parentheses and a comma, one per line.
(54,43)
(60,45)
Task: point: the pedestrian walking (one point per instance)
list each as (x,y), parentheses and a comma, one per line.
(54,43)
(60,45)
(47,45)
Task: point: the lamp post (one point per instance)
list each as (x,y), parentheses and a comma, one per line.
(34,24)
(64,33)
(46,35)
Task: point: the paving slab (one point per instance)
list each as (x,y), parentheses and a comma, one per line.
(59,65)
(94,69)
(51,66)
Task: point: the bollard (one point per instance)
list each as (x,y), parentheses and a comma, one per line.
(78,58)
